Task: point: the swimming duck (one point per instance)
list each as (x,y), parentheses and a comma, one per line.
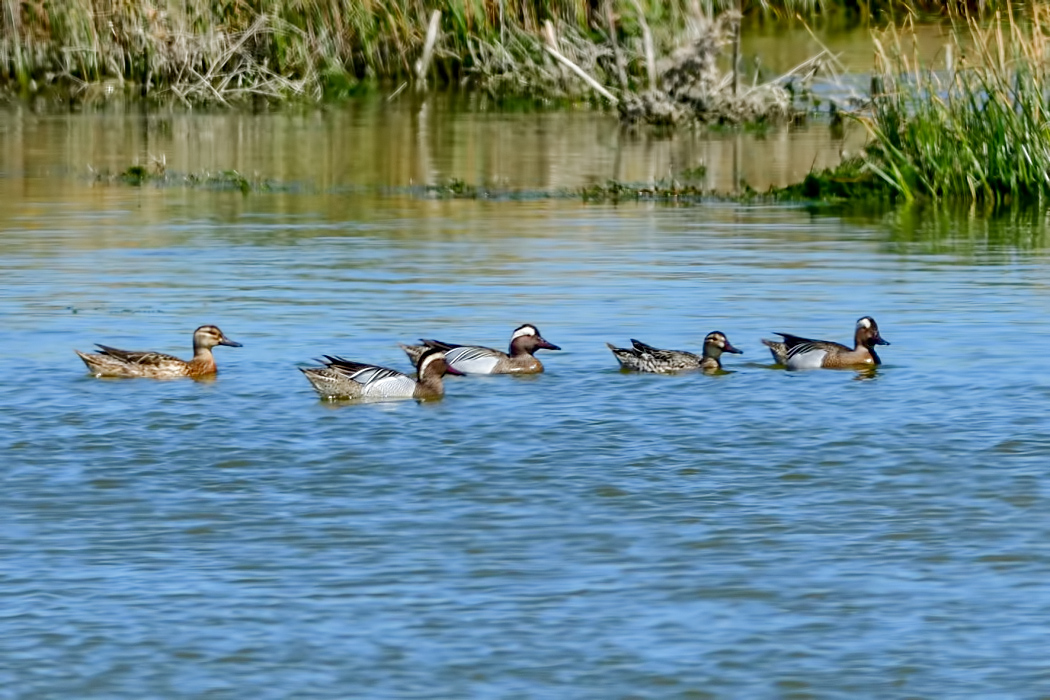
(802,353)
(112,362)
(646,358)
(475,359)
(345,379)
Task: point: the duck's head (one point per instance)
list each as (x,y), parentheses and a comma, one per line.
(210,336)
(432,365)
(716,343)
(867,333)
(527,339)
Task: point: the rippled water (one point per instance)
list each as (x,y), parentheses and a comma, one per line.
(584,533)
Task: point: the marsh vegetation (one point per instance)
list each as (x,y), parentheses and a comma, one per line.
(970,125)
(223,52)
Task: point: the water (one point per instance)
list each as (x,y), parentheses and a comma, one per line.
(583,533)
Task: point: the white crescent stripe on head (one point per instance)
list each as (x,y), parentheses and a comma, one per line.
(864,323)
(524,330)
(427,362)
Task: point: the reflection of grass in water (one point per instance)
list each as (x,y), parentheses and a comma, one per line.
(934,229)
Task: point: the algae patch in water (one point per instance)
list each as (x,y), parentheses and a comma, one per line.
(157,174)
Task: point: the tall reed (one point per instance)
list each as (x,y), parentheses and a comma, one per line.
(224,49)
(977,130)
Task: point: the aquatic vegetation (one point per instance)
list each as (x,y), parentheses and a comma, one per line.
(206,51)
(977,130)
(974,131)
(853,180)
(669,191)
(157,174)
(454,188)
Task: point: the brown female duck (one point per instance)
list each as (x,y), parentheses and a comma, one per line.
(646,358)
(112,362)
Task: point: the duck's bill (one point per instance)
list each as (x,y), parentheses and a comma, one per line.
(879,340)
(734,350)
(230,343)
(541,343)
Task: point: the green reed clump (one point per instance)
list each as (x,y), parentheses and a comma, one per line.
(978,131)
(852,181)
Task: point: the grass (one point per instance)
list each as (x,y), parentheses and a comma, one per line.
(225,51)
(851,181)
(978,131)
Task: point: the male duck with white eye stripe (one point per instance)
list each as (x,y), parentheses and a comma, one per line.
(646,358)
(795,352)
(346,379)
(476,359)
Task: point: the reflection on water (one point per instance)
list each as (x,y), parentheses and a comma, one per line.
(990,236)
(777,47)
(754,534)
(424,142)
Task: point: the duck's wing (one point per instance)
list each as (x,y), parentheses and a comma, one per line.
(438,344)
(473,359)
(801,346)
(804,353)
(673,359)
(645,347)
(363,373)
(646,358)
(791,341)
(137,357)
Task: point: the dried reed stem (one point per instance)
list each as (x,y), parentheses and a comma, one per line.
(423,65)
(552,41)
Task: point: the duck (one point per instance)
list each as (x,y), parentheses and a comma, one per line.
(476,359)
(346,379)
(646,358)
(113,362)
(795,352)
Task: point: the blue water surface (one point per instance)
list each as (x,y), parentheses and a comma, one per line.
(584,533)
